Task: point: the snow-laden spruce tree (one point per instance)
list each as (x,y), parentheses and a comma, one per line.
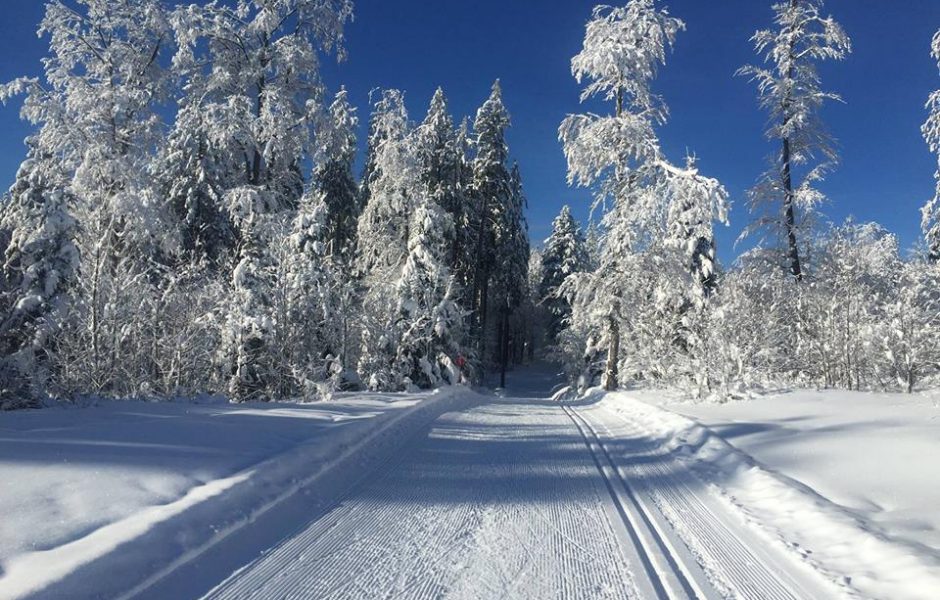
(509,287)
(262,94)
(492,192)
(394,191)
(429,320)
(930,213)
(310,314)
(564,254)
(248,354)
(333,177)
(442,170)
(393,184)
(40,263)
(464,264)
(194,175)
(791,92)
(650,206)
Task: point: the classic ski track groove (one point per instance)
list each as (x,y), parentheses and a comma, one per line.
(668,572)
(738,559)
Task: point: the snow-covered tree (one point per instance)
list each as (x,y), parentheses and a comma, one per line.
(40,263)
(393,184)
(910,329)
(262,94)
(442,160)
(193,175)
(310,314)
(394,191)
(564,254)
(97,116)
(492,190)
(791,92)
(509,287)
(334,179)
(429,320)
(649,205)
(248,355)
(930,213)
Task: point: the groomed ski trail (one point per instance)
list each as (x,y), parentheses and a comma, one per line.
(529,498)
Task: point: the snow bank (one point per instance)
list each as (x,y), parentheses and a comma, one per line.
(865,558)
(96,500)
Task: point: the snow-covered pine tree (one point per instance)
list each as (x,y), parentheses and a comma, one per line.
(333,178)
(564,254)
(193,175)
(40,263)
(509,288)
(465,218)
(429,320)
(791,93)
(492,193)
(310,313)
(248,355)
(441,164)
(394,188)
(393,184)
(930,213)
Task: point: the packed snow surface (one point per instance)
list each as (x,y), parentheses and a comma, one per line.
(151,481)
(874,454)
(441,495)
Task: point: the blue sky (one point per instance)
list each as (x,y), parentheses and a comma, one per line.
(416,45)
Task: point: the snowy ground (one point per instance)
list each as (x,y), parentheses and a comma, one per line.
(878,455)
(453,495)
(136,485)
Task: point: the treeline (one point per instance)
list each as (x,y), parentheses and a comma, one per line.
(643,300)
(228,247)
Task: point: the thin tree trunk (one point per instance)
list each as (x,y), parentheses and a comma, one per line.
(613,354)
(504,347)
(793,252)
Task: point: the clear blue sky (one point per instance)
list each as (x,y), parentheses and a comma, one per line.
(416,45)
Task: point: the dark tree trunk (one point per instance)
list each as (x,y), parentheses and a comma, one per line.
(793,251)
(613,354)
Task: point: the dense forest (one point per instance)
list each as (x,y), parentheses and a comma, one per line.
(189,219)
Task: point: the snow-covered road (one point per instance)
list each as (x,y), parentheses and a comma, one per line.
(528,498)
(447,494)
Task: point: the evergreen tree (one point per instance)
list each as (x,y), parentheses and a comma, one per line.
(441,158)
(564,254)
(492,190)
(40,264)
(248,352)
(334,180)
(429,319)
(193,180)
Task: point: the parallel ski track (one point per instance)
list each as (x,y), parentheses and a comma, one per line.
(669,576)
(747,568)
